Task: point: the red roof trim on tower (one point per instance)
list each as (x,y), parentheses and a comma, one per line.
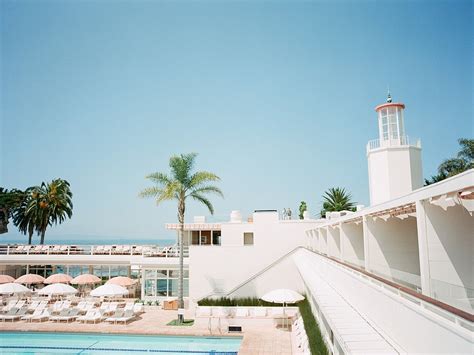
(390,104)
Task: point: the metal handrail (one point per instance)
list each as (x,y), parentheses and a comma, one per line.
(393,142)
(132,250)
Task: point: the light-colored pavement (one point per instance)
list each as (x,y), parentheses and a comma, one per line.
(260,336)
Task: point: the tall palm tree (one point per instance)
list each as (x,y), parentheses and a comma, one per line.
(180,185)
(51,203)
(337,199)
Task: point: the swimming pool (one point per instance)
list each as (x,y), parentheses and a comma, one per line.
(93,344)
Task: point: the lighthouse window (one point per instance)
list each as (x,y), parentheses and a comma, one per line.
(385,127)
(393,126)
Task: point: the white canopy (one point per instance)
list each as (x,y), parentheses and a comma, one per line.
(57,289)
(109,290)
(282,295)
(12,287)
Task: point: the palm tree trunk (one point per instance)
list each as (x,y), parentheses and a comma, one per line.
(43,232)
(181,209)
(30,233)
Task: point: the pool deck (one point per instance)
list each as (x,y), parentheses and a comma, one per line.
(260,336)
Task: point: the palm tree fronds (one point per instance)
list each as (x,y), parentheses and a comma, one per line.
(204,201)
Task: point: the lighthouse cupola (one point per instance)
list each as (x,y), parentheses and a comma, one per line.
(394,159)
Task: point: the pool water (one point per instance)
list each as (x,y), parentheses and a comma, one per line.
(89,343)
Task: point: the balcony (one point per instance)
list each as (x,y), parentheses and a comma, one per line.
(403,141)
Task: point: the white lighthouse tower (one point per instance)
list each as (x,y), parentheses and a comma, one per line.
(394,159)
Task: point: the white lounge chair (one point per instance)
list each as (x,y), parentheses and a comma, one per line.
(33,305)
(138,308)
(11,304)
(45,315)
(126,317)
(203,311)
(220,312)
(118,314)
(241,312)
(92,315)
(14,314)
(260,312)
(36,313)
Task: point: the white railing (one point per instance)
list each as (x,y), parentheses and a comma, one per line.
(454,318)
(397,142)
(459,296)
(133,250)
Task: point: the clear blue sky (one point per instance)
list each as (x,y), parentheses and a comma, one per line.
(276,97)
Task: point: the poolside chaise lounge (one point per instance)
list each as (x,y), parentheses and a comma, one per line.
(46,314)
(66,315)
(14,314)
(36,313)
(10,305)
(33,305)
(241,312)
(118,314)
(203,311)
(92,315)
(126,317)
(138,308)
(259,312)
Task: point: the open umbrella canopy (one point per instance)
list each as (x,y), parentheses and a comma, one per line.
(12,287)
(6,279)
(121,281)
(109,290)
(85,279)
(58,278)
(282,295)
(30,279)
(57,289)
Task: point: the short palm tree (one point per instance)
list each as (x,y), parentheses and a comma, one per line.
(453,166)
(50,204)
(337,199)
(180,185)
(26,222)
(10,201)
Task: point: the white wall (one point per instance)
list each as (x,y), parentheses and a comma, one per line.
(334,242)
(393,249)
(218,269)
(450,240)
(393,172)
(323,240)
(352,243)
(282,275)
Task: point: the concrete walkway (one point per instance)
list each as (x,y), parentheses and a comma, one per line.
(260,336)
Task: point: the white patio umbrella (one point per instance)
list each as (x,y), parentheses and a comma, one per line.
(57,289)
(284,296)
(109,290)
(12,287)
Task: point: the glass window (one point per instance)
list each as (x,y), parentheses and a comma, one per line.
(173,288)
(150,274)
(161,287)
(150,286)
(162,274)
(248,238)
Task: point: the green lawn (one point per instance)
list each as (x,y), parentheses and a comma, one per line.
(186,323)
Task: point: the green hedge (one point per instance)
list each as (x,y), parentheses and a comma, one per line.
(245,302)
(315,338)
